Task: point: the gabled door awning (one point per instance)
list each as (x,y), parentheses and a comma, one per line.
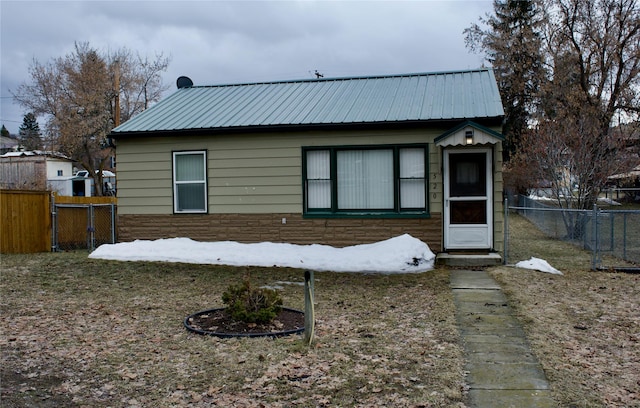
(468,134)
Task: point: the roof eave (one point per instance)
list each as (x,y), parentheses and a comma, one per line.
(486,121)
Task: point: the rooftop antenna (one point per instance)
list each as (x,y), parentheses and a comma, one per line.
(318,75)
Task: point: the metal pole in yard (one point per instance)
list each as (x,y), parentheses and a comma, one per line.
(624,237)
(113,223)
(92,229)
(612,219)
(594,257)
(309,312)
(54,224)
(506,230)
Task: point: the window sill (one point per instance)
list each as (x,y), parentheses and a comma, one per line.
(369,215)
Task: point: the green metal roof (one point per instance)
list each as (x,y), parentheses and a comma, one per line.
(436,96)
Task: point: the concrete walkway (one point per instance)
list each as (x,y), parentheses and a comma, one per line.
(502,370)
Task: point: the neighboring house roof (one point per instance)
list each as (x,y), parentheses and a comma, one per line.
(631,174)
(406,98)
(7,143)
(36,153)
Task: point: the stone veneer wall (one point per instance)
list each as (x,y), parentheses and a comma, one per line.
(270,227)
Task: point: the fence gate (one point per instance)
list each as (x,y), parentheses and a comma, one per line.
(82,226)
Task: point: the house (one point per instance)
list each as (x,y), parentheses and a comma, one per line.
(42,170)
(8,144)
(337,161)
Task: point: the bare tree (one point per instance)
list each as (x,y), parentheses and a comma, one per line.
(593,58)
(83,94)
(140,83)
(590,51)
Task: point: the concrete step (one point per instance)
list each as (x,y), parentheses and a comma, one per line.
(468,260)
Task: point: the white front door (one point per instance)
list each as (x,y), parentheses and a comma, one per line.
(468,186)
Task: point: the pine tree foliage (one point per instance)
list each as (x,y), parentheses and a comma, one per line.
(29,133)
(512,44)
(4,132)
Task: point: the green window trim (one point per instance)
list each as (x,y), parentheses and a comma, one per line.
(322,184)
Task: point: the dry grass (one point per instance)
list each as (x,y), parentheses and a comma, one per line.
(82,332)
(584,326)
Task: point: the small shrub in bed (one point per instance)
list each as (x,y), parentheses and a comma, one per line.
(251,305)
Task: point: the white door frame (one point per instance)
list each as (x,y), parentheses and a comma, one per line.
(460,236)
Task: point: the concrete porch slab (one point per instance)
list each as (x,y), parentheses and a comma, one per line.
(468,260)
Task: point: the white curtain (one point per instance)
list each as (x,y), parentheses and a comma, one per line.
(468,173)
(365,179)
(318,179)
(190,167)
(412,182)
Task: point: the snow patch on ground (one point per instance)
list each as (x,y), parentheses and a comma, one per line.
(538,265)
(402,254)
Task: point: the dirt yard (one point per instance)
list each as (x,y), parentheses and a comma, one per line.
(76,332)
(584,326)
(80,332)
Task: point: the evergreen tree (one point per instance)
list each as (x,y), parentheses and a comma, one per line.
(512,46)
(4,132)
(29,133)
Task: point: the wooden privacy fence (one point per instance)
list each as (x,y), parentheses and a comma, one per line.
(39,221)
(25,221)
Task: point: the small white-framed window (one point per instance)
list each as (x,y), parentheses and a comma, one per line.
(190,182)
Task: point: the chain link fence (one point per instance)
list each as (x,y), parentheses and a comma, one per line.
(601,232)
(83,226)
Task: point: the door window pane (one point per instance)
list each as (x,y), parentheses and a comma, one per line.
(469,212)
(468,175)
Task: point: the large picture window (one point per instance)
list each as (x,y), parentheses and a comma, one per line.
(190,182)
(365,180)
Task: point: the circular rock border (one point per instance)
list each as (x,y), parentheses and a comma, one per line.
(196,330)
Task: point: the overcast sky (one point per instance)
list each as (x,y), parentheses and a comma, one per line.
(215,42)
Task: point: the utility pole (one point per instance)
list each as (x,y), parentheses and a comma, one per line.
(116,85)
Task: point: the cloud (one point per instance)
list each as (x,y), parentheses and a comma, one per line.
(242,41)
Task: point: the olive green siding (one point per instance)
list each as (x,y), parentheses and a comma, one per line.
(498,207)
(259,177)
(248,173)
